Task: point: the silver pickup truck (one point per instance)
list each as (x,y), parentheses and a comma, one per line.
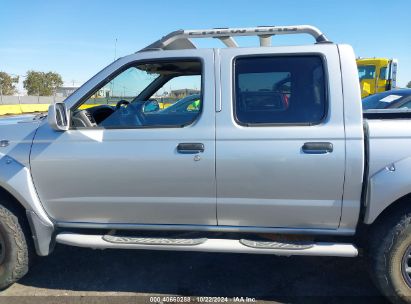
(258,150)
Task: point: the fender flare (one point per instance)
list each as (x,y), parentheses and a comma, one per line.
(16,179)
(387,186)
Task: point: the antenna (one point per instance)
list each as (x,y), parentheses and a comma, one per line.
(115,49)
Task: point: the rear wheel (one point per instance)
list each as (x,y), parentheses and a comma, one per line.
(15,248)
(390,254)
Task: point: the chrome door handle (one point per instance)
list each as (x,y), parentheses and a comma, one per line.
(317,147)
(190,148)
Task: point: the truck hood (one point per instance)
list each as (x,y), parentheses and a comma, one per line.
(26,118)
(16,136)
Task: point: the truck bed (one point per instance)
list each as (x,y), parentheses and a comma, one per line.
(388,147)
(389,141)
(387,114)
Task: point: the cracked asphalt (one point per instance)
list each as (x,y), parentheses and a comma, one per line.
(75,275)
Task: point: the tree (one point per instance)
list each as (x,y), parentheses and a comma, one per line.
(409,84)
(41,83)
(7,84)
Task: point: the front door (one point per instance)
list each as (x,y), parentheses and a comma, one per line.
(140,149)
(280,138)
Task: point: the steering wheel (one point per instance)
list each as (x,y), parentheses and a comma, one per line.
(131,113)
(122,102)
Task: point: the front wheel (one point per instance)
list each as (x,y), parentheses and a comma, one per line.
(14,248)
(390,254)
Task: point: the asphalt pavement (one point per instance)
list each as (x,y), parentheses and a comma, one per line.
(77,275)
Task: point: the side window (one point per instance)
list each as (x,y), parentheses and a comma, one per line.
(125,86)
(383,73)
(279,90)
(158,94)
(180,95)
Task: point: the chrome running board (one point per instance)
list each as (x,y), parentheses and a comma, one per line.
(207,245)
(153,240)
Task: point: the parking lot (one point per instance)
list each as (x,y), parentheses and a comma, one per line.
(76,274)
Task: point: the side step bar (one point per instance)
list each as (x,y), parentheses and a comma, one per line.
(207,245)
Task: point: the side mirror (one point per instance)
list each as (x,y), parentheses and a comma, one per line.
(57,116)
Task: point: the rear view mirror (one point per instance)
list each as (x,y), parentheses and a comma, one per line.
(57,116)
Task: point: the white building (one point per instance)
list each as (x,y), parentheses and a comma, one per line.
(65,91)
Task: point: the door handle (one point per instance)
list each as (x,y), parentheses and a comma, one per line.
(317,147)
(190,148)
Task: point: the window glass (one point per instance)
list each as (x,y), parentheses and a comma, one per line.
(164,94)
(383,73)
(366,72)
(126,86)
(382,100)
(279,90)
(181,94)
(406,105)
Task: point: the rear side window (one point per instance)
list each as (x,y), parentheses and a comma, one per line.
(279,90)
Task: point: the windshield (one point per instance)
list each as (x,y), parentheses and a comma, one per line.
(366,72)
(382,100)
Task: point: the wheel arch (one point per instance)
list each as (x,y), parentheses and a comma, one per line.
(17,186)
(9,201)
(395,207)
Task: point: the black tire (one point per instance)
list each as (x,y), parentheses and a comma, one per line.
(390,241)
(16,249)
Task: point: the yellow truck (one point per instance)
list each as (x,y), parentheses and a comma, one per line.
(376,75)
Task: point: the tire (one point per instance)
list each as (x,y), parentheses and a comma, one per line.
(16,250)
(389,247)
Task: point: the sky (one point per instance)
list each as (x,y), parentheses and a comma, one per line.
(78,38)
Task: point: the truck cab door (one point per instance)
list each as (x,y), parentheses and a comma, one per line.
(280,143)
(387,78)
(129,170)
(368,78)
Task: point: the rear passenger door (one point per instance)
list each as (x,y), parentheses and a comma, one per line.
(280,143)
